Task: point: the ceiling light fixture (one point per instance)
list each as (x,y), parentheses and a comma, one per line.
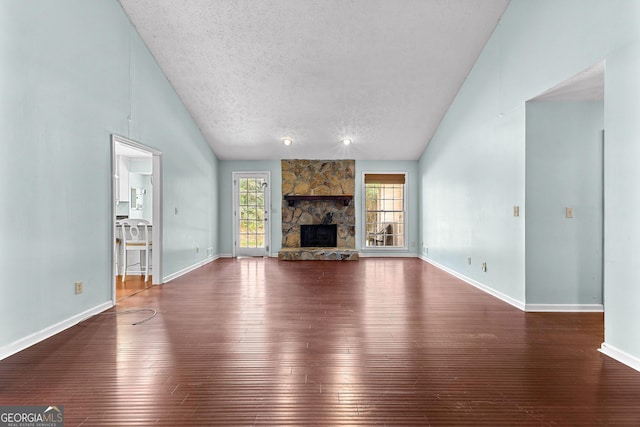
(287,141)
(346,141)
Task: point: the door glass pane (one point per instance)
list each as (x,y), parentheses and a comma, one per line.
(252,207)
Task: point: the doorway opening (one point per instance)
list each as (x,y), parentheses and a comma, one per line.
(564,188)
(136,206)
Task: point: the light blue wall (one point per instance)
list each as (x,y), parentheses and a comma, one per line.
(72,72)
(622,198)
(412,198)
(472,173)
(189,167)
(564,168)
(225,188)
(471,177)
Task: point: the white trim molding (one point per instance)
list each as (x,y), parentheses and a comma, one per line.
(157,216)
(363,215)
(376,254)
(620,356)
(506,298)
(235,212)
(564,308)
(189,268)
(50,331)
(529,308)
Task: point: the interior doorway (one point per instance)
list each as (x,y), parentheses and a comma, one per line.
(564,187)
(136,195)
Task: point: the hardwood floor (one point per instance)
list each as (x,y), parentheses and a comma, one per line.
(373,342)
(131,286)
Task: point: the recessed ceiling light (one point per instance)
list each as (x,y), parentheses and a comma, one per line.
(346,141)
(287,141)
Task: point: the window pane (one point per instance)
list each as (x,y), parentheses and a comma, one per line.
(384,213)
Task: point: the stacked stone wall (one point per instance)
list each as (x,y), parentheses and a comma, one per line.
(318,178)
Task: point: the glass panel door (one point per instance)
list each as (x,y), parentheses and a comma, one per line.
(251,213)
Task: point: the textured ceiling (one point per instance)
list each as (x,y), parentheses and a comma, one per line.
(381,72)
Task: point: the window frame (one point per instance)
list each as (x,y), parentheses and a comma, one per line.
(405,214)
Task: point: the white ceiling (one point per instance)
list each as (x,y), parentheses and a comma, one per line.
(381,72)
(587,85)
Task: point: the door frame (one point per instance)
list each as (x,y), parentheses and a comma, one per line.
(156,230)
(235,175)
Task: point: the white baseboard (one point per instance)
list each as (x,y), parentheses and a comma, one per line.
(620,356)
(511,301)
(186,270)
(50,331)
(565,308)
(387,255)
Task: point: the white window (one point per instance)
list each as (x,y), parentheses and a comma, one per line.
(384,210)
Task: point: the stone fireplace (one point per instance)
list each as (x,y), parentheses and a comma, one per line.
(317,193)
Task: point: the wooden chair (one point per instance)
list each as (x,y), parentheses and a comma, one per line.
(136,237)
(384,237)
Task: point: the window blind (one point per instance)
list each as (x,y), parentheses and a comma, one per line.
(384,178)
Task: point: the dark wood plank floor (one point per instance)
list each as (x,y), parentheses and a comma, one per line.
(133,285)
(375,342)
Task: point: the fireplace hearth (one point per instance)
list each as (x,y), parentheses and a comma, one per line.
(318,235)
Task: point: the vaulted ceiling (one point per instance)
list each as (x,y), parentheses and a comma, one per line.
(380,72)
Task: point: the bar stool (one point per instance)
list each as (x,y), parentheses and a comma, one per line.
(135,237)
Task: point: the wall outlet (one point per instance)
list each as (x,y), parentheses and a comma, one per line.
(568,212)
(484,267)
(516,211)
(210,251)
(79,287)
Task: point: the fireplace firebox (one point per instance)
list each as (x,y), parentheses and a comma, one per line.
(318,235)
